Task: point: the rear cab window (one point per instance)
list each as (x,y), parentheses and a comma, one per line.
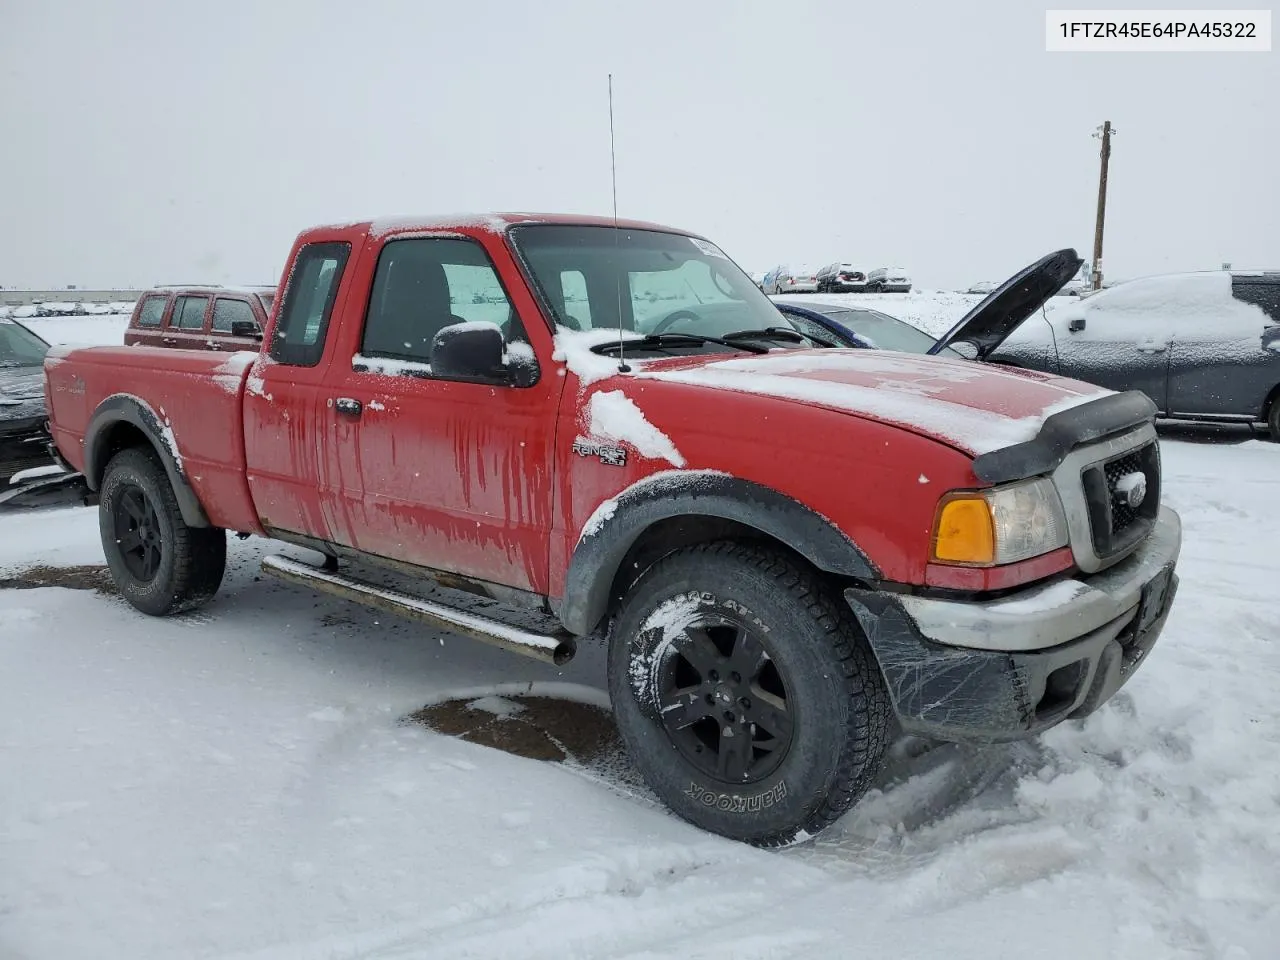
(151,312)
(299,336)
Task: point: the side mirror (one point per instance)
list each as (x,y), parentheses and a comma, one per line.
(1271,339)
(246,328)
(469,351)
(1076,324)
(966,348)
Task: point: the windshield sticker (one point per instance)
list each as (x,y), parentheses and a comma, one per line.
(710,249)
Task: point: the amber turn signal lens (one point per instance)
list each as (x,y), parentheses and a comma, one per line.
(965,533)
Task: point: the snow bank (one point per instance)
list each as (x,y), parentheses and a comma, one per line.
(99,331)
(613,415)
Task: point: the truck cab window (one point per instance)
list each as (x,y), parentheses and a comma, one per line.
(308,303)
(425,284)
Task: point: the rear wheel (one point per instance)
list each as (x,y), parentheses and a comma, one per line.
(747,696)
(1273,418)
(160,564)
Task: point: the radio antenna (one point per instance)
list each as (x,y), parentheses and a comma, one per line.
(613,175)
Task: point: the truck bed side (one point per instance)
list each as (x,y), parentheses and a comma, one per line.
(190,404)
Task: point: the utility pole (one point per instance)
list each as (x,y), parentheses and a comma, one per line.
(1105,135)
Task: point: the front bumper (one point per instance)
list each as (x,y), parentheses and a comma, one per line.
(1010,668)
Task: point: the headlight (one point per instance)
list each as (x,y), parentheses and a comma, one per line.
(984,528)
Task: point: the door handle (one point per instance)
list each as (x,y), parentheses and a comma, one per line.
(1152,347)
(168,339)
(347,405)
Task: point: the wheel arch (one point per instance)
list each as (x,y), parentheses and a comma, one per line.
(1273,397)
(676,509)
(123,421)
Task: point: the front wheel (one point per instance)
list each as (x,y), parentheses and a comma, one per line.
(159,564)
(746,695)
(1273,419)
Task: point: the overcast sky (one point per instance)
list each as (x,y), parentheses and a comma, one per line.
(145,142)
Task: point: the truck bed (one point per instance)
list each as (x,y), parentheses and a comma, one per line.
(197,399)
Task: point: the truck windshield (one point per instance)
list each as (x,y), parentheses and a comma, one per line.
(648,281)
(19,347)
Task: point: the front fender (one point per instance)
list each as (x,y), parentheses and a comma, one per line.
(620,522)
(123,408)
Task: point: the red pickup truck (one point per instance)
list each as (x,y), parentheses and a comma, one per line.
(792,552)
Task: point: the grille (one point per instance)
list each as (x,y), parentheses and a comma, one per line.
(1122,515)
(1115,525)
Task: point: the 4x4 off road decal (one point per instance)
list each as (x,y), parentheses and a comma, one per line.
(611,456)
(735,803)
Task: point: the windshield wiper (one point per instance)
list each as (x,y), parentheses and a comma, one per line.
(673,340)
(778,333)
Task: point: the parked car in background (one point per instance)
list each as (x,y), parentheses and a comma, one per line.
(841,278)
(982,286)
(24,439)
(1202,346)
(200,318)
(976,336)
(888,280)
(844,326)
(784,279)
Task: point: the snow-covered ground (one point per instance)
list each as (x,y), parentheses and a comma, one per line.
(238,783)
(86,331)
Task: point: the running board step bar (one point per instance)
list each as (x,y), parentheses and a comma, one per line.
(556,648)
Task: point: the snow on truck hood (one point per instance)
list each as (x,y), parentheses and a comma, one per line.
(973,407)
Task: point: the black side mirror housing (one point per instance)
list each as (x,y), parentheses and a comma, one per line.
(246,328)
(469,351)
(1076,325)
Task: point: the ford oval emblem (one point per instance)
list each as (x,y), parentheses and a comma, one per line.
(1131,489)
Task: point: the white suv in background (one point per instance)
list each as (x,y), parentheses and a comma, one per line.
(888,280)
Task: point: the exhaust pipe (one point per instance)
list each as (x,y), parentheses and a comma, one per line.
(557,648)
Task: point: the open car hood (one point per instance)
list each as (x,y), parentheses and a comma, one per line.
(1004,309)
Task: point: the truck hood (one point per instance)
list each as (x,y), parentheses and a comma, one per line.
(972,407)
(1004,309)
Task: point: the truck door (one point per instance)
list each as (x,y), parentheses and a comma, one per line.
(186,323)
(284,397)
(443,473)
(1116,347)
(1225,364)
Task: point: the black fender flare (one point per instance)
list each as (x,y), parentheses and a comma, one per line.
(605,543)
(126,408)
